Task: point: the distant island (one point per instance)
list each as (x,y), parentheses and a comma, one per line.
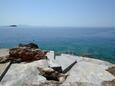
(12,25)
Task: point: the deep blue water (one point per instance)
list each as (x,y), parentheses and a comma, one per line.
(97,42)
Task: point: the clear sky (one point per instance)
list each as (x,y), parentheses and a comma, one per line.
(76,13)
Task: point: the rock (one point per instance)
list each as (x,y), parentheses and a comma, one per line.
(86,70)
(4,59)
(51,74)
(4,53)
(47,83)
(30,45)
(26,54)
(24,73)
(109,83)
(53,83)
(111,70)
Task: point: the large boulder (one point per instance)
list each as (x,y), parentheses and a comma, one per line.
(26,54)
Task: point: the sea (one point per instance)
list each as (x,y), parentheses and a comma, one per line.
(93,42)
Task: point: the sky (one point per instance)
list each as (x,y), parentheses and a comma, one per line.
(73,13)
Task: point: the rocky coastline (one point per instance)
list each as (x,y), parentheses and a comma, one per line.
(32,66)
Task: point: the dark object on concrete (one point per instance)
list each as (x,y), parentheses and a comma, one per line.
(69,67)
(5,71)
(30,45)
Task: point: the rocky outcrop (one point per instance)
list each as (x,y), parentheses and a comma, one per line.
(26,54)
(86,72)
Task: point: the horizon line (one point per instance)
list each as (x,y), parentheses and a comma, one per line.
(20,25)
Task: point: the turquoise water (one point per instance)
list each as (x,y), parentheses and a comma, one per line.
(96,42)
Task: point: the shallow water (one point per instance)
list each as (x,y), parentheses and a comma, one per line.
(95,42)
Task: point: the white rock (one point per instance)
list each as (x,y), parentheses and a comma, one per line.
(23,73)
(86,70)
